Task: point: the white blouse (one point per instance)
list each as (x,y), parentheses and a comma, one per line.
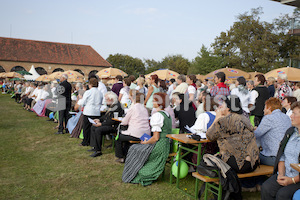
(125,96)
(157,121)
(202,121)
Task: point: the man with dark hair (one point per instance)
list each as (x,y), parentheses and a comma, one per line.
(118,85)
(91,101)
(132,85)
(221,88)
(171,87)
(64,102)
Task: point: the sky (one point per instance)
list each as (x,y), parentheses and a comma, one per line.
(143,29)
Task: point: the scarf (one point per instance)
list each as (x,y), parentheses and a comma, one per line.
(222,85)
(242,89)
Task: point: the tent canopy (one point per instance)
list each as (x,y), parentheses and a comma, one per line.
(34,75)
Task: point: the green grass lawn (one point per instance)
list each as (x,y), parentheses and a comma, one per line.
(37,164)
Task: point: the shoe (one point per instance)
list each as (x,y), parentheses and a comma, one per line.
(59,132)
(120,160)
(258,188)
(108,137)
(80,144)
(50,119)
(92,150)
(96,154)
(191,169)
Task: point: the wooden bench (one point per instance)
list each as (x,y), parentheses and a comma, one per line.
(213,183)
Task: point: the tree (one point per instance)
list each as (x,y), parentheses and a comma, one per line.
(249,44)
(289,49)
(206,62)
(130,65)
(176,63)
(152,65)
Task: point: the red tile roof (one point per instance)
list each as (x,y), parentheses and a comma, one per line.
(49,52)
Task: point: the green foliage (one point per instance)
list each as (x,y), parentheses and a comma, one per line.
(176,63)
(205,62)
(250,44)
(130,65)
(253,45)
(152,65)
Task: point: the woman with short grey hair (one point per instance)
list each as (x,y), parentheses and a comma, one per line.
(283,89)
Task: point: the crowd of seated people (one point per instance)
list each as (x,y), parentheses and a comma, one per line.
(242,122)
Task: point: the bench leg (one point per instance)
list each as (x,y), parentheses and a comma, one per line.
(113,142)
(171,175)
(220,192)
(196,188)
(103,138)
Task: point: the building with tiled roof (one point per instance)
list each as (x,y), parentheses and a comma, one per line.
(48,57)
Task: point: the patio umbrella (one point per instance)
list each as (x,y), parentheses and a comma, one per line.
(231,73)
(201,77)
(111,73)
(55,75)
(15,79)
(43,78)
(72,73)
(293,74)
(2,75)
(164,74)
(12,75)
(253,74)
(23,72)
(75,79)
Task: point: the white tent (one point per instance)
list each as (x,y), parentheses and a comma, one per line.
(34,75)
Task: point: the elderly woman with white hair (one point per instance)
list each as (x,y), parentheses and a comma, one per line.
(105,125)
(78,87)
(42,101)
(283,89)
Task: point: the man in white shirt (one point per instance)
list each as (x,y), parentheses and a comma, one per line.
(171,87)
(91,101)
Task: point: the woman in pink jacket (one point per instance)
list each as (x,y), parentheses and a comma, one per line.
(137,120)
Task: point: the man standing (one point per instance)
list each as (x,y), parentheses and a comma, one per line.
(221,89)
(64,102)
(171,87)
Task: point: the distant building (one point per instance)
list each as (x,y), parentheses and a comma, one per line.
(48,57)
(295,3)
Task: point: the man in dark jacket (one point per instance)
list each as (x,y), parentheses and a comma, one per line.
(64,102)
(105,125)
